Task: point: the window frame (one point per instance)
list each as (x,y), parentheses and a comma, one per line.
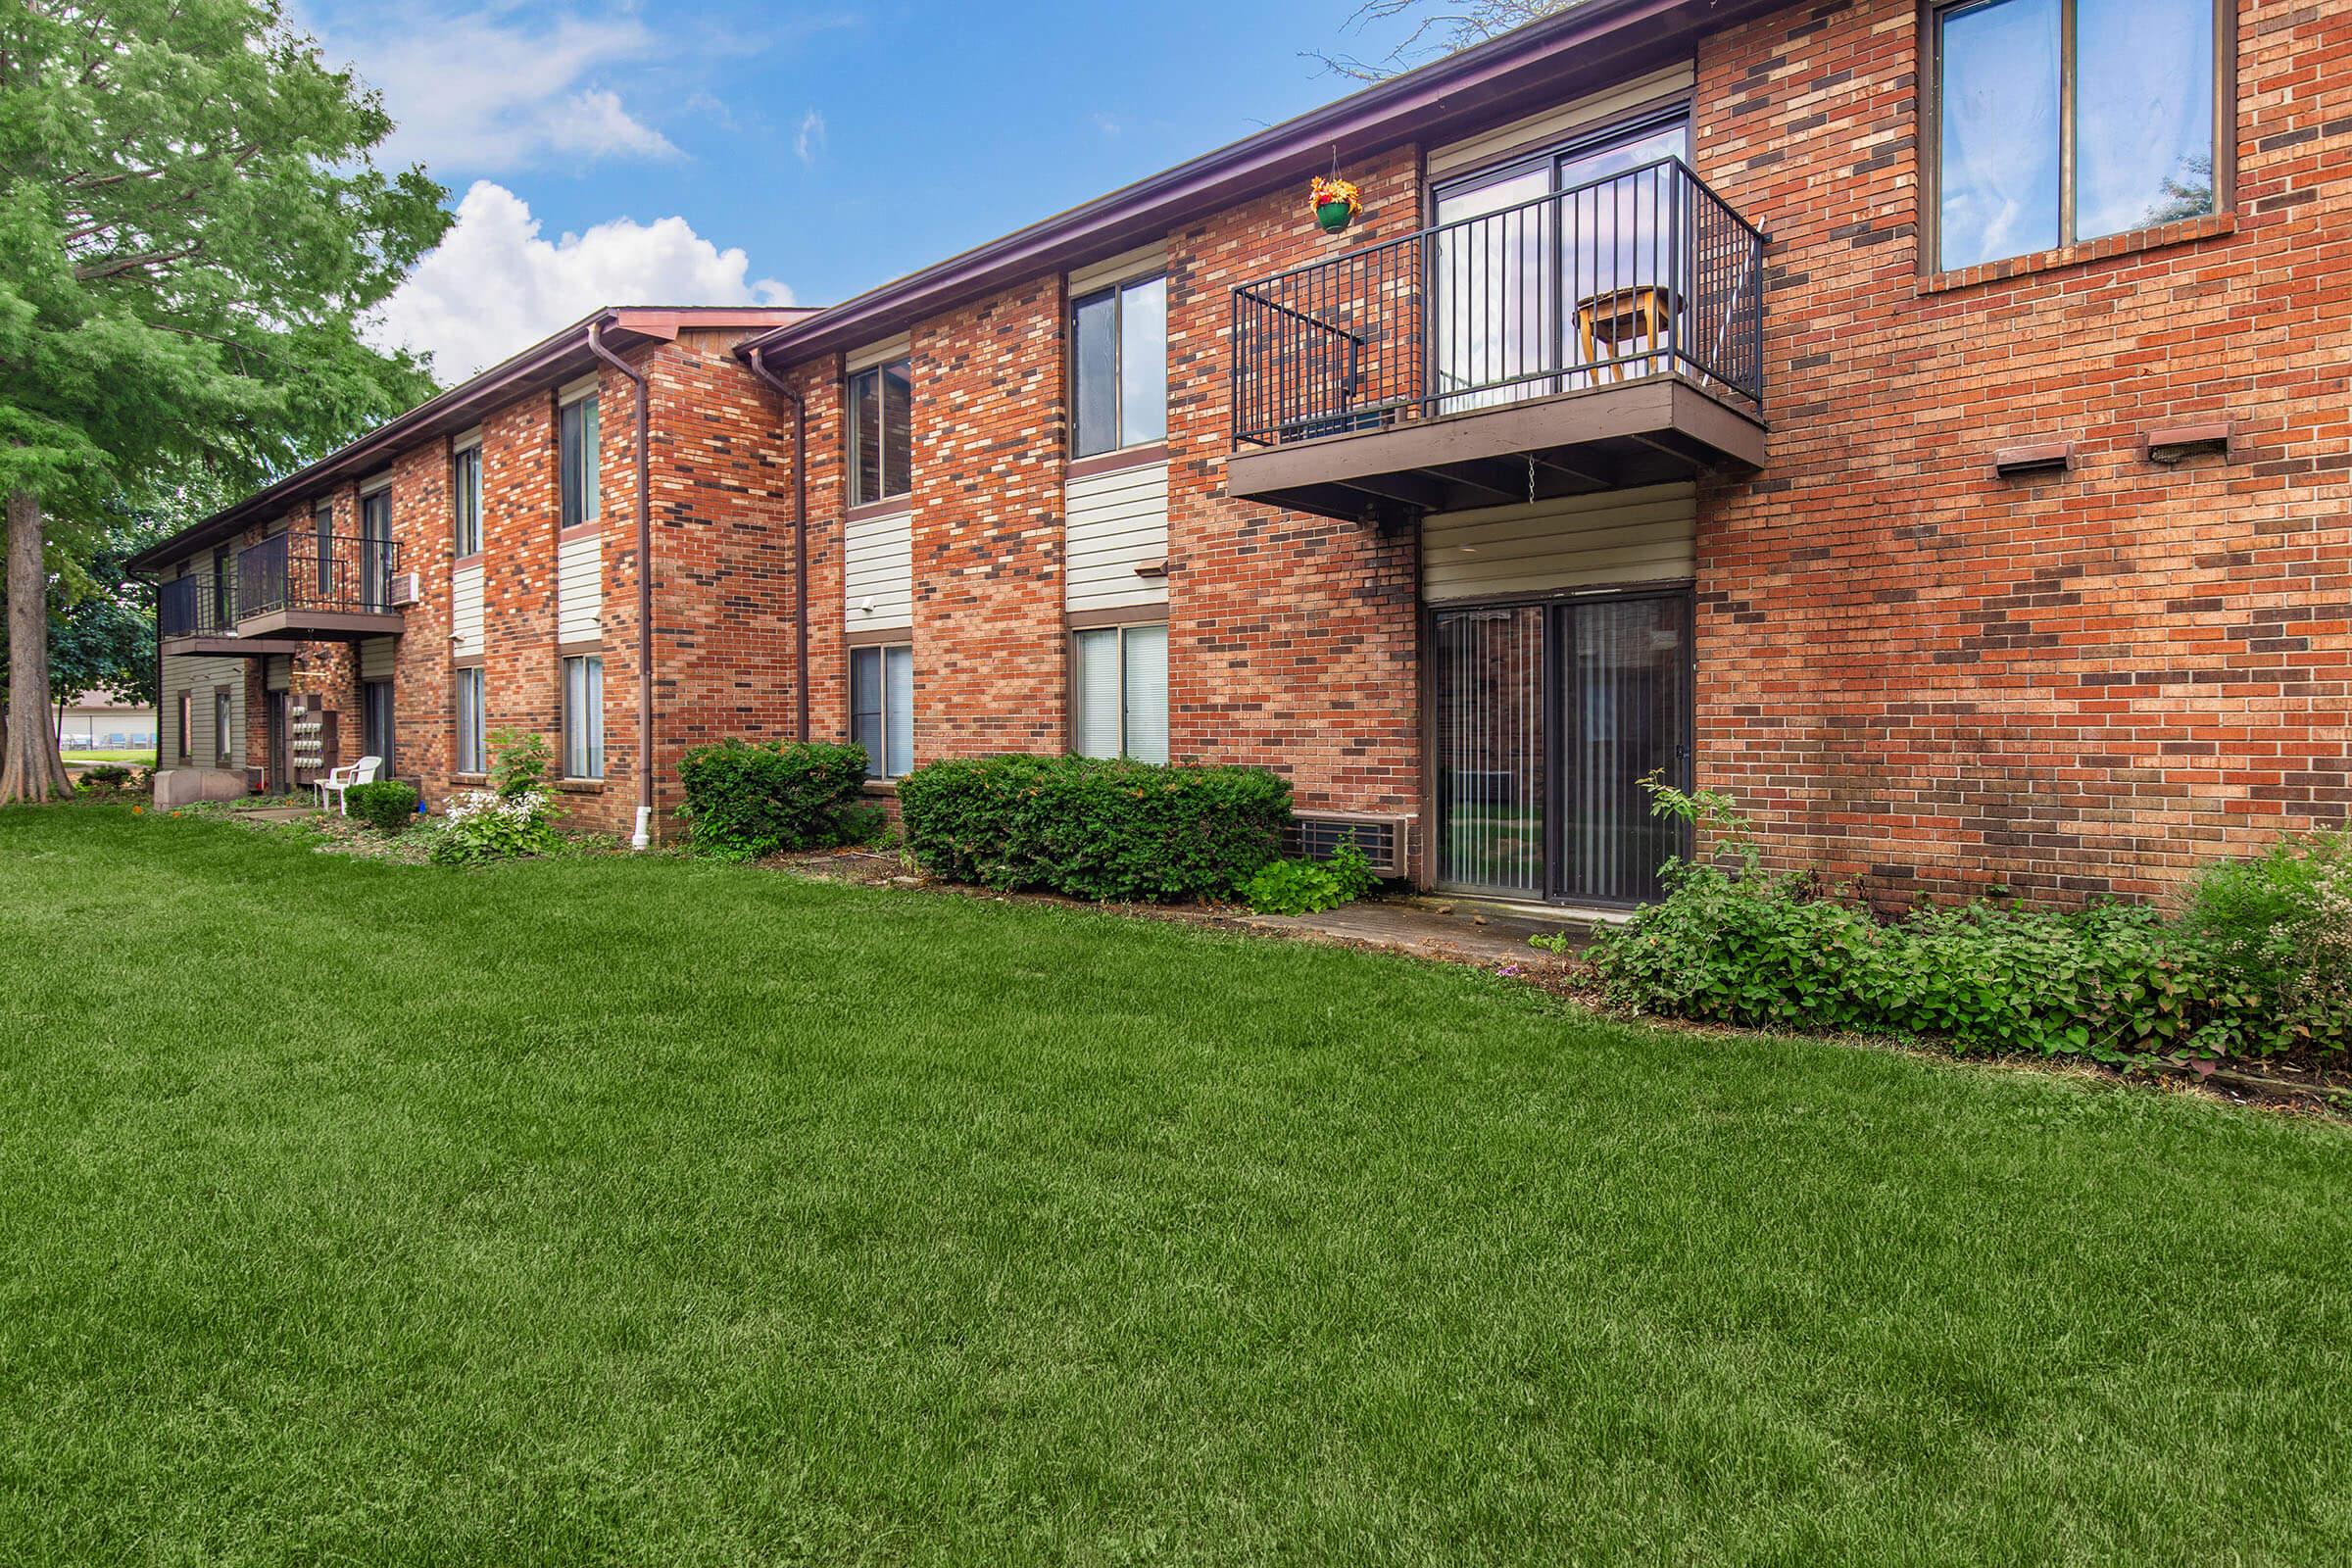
(187,725)
(223,717)
(1932,14)
(566,727)
(877,768)
(471,741)
(876,504)
(465,498)
(573,408)
(1156,623)
(1117,292)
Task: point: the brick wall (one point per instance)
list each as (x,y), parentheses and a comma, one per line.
(1936,679)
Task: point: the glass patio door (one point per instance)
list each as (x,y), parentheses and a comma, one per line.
(1519,295)
(1547,719)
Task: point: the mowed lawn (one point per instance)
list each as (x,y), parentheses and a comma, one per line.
(641,1212)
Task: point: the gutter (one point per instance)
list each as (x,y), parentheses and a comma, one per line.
(643,837)
(800,521)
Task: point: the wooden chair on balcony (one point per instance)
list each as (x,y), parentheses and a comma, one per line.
(339,780)
(1624,329)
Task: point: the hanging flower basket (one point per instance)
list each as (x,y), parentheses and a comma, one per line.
(1336,202)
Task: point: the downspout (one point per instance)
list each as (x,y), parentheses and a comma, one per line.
(643,837)
(800,523)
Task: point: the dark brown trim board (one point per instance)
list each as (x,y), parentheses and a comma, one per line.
(1142,456)
(880,637)
(1117,615)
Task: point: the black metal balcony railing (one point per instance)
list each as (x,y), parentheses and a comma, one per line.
(196,606)
(1646,272)
(303,571)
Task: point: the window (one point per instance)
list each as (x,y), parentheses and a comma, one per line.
(576,437)
(881,404)
(882,709)
(187,720)
(376,549)
(223,611)
(470,719)
(1121,365)
(465,499)
(323,524)
(2063,121)
(224,720)
(1122,682)
(584,716)
(376,715)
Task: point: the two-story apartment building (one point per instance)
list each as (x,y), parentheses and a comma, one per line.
(1927,421)
(472,566)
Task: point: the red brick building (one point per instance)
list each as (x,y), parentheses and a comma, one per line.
(472,568)
(1928,423)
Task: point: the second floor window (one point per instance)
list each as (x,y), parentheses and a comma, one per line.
(465,499)
(576,440)
(1120,366)
(881,402)
(2064,121)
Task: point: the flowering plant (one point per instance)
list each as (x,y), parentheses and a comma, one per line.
(1332,192)
(483,825)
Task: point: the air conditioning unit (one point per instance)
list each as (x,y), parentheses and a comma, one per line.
(1384,840)
(404,588)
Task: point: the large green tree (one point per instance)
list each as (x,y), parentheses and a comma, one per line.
(192,232)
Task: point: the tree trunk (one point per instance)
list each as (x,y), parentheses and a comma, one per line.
(34,771)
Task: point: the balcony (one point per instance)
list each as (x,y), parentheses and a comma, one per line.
(197,616)
(1593,339)
(318,587)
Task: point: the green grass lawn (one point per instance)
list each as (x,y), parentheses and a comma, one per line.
(141,759)
(641,1212)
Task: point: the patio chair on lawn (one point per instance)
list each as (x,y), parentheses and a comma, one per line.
(339,780)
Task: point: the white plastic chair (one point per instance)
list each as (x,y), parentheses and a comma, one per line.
(339,780)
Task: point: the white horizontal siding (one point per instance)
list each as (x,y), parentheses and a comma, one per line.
(378,657)
(1141,261)
(466,611)
(199,677)
(1116,521)
(878,572)
(277,672)
(1619,536)
(1562,123)
(580,588)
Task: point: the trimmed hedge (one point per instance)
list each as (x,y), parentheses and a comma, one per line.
(744,801)
(1094,828)
(386,806)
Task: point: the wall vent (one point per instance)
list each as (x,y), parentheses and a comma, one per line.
(1314,835)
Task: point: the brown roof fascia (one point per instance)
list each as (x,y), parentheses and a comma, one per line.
(550,362)
(1519,72)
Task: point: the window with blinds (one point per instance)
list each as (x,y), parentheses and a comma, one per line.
(1122,692)
(882,708)
(584,717)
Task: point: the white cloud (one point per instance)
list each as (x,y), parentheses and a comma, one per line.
(811,137)
(473,91)
(495,286)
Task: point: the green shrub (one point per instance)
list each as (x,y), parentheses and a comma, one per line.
(520,763)
(744,801)
(387,805)
(2281,923)
(1741,944)
(105,779)
(482,826)
(1309,886)
(1093,828)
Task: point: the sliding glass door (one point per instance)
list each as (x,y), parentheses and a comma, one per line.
(1548,718)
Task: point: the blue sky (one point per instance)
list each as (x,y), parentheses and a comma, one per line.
(615,153)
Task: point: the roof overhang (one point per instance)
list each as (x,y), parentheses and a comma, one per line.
(1529,69)
(551,361)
